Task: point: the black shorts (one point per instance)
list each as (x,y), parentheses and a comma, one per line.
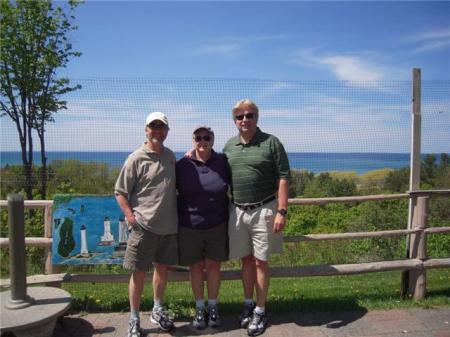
(196,244)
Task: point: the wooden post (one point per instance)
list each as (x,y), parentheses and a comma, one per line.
(418,249)
(48,227)
(415,161)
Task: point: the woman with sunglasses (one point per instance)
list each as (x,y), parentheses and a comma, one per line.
(202,183)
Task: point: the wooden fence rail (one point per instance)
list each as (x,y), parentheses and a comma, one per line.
(417,263)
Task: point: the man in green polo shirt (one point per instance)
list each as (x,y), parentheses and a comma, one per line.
(260,174)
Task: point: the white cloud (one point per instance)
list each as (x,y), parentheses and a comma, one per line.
(359,69)
(223,49)
(230,46)
(351,68)
(431,40)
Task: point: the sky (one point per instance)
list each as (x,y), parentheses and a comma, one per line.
(328,76)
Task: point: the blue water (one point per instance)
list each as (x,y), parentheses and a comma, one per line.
(90,212)
(311,161)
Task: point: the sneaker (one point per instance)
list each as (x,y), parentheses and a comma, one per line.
(160,317)
(246,315)
(257,325)
(213,316)
(134,328)
(199,321)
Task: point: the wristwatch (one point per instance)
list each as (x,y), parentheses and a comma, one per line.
(282,211)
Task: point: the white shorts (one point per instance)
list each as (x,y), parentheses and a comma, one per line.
(251,232)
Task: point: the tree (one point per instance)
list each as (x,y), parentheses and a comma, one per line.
(34,45)
(397,180)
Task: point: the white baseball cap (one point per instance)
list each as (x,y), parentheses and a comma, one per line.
(156,116)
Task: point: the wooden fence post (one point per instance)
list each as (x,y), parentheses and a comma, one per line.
(48,223)
(418,249)
(415,161)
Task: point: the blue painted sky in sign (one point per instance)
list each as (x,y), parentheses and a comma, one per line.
(277,42)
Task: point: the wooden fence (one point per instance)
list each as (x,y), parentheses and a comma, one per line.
(417,263)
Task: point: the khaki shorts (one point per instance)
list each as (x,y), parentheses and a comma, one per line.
(251,232)
(196,244)
(144,248)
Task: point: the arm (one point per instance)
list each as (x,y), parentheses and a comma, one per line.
(126,209)
(282,194)
(190,153)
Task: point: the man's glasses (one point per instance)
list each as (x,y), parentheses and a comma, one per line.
(206,138)
(157,126)
(248,116)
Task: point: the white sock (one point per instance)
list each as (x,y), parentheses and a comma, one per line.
(249,301)
(135,314)
(200,304)
(157,304)
(212,302)
(260,310)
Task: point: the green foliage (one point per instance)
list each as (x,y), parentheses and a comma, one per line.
(67,242)
(34,45)
(325,186)
(299,180)
(77,177)
(397,181)
(34,255)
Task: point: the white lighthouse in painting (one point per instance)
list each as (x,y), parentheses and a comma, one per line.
(107,238)
(84,250)
(123,231)
(123,234)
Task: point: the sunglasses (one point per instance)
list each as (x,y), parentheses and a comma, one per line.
(206,138)
(248,116)
(157,126)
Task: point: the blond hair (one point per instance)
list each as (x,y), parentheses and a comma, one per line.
(246,103)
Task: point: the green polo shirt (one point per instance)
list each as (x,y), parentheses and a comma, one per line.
(256,167)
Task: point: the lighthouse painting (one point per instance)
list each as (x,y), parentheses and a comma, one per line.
(106,239)
(84,250)
(93,224)
(123,233)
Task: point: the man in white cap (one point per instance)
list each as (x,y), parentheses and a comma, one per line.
(146,192)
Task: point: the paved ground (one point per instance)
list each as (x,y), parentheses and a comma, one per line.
(393,323)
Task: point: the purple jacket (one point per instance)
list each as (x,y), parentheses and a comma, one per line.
(202,191)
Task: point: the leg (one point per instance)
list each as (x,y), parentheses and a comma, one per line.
(159,316)
(262,282)
(135,289)
(196,275)
(160,274)
(197,284)
(248,281)
(213,284)
(213,277)
(248,275)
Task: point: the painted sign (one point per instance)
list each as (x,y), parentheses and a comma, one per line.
(88,229)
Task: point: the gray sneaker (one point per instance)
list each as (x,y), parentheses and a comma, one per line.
(246,315)
(160,317)
(257,325)
(134,328)
(213,316)
(199,321)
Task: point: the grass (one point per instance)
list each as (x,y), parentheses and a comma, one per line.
(337,293)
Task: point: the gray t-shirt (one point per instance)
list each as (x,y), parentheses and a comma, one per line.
(147,180)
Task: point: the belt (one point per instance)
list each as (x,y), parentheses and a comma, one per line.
(250,206)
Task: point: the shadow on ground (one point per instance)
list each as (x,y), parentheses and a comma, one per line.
(69,327)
